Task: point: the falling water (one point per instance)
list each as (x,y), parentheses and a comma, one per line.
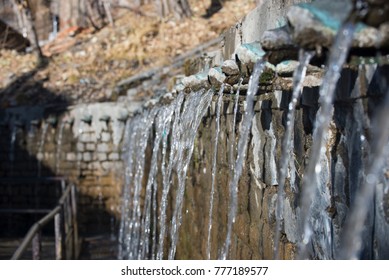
(59,147)
(144,126)
(162,121)
(165,133)
(194,109)
(335,63)
(167,171)
(287,144)
(40,148)
(241,153)
(232,138)
(219,104)
(130,136)
(352,234)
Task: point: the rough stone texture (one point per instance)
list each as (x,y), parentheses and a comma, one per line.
(317,23)
(216,77)
(196,82)
(277,39)
(342,165)
(230,68)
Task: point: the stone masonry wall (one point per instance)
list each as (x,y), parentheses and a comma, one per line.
(55,142)
(253,231)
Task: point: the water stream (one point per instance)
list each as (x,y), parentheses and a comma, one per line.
(241,152)
(144,126)
(232,138)
(40,148)
(287,141)
(59,147)
(219,105)
(338,55)
(162,121)
(167,168)
(352,234)
(128,150)
(195,107)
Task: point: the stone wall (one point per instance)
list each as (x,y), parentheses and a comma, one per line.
(253,231)
(39,143)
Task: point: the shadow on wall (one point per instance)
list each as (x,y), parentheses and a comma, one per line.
(35,142)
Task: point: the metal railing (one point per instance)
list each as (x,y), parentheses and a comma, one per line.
(64,216)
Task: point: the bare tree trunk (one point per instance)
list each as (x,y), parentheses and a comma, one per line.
(179,8)
(25,12)
(107,8)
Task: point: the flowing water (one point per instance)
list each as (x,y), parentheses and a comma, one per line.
(130,136)
(167,172)
(232,138)
(143,134)
(219,105)
(138,227)
(59,147)
(195,107)
(241,152)
(338,55)
(162,121)
(352,235)
(287,142)
(40,148)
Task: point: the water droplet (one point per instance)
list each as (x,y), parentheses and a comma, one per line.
(318,168)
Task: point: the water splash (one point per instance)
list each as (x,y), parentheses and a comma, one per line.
(194,109)
(287,142)
(40,148)
(219,104)
(338,55)
(241,153)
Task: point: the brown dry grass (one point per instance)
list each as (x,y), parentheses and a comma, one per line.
(90,64)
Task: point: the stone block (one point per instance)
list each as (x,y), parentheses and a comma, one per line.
(102,156)
(71,157)
(107,165)
(87,137)
(103,148)
(105,137)
(114,156)
(80,147)
(90,147)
